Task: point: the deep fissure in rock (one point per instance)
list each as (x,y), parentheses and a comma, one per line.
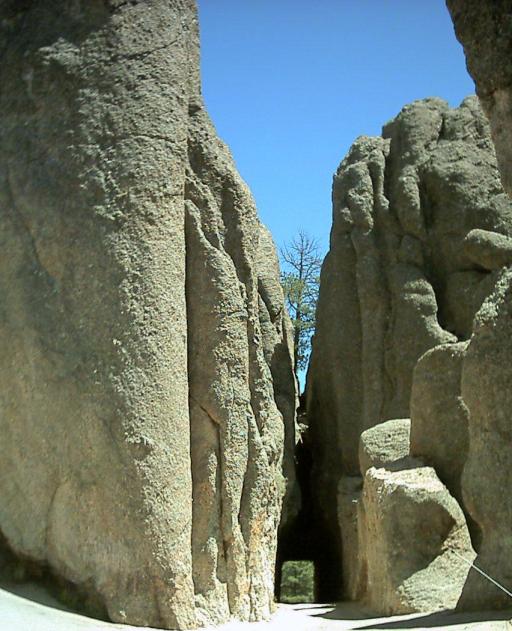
(308,536)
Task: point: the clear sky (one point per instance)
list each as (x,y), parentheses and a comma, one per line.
(291,83)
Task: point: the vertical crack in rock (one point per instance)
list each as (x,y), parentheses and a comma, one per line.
(233,378)
(218,366)
(225,328)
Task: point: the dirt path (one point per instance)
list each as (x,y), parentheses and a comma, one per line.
(31,609)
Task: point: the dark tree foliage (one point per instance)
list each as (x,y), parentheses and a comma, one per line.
(300,278)
(297,583)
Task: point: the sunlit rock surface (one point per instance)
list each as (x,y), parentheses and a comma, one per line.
(145,372)
(421,228)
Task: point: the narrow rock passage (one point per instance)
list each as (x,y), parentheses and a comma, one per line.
(400,371)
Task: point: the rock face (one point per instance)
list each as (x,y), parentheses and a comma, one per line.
(440,419)
(439,433)
(485,31)
(350,518)
(486,390)
(419,220)
(145,367)
(384,444)
(413,535)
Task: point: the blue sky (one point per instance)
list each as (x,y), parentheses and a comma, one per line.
(291,83)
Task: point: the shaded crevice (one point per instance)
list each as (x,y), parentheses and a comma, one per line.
(309,537)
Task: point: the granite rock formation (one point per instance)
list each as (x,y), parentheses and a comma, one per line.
(486,388)
(147,384)
(384,444)
(439,433)
(421,226)
(413,535)
(404,535)
(380,446)
(485,31)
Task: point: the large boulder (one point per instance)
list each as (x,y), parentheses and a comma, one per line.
(415,542)
(420,222)
(385,444)
(406,545)
(145,368)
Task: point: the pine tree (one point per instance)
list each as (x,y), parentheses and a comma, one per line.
(300,280)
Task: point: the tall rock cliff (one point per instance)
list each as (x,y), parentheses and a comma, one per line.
(485,31)
(421,226)
(146,378)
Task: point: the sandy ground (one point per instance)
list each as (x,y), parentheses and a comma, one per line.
(29,608)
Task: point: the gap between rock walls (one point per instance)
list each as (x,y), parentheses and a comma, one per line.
(406,294)
(146,357)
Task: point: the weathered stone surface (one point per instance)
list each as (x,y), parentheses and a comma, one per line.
(144,362)
(413,530)
(488,249)
(439,416)
(277,337)
(485,31)
(464,294)
(487,477)
(399,526)
(350,516)
(398,280)
(384,444)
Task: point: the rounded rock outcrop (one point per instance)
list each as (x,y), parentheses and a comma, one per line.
(421,225)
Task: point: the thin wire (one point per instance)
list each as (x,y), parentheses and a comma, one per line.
(482,573)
